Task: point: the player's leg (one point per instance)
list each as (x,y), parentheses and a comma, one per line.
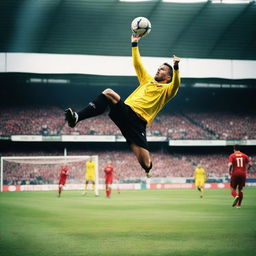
(110,186)
(233,186)
(60,189)
(202,191)
(112,95)
(143,157)
(107,190)
(236,197)
(93,186)
(201,185)
(234,194)
(240,195)
(94,108)
(240,191)
(196,184)
(85,187)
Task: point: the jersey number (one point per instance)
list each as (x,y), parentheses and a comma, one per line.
(239,162)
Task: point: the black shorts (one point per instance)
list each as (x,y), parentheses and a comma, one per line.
(132,127)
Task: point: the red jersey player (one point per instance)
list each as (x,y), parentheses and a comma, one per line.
(109,173)
(238,165)
(62,178)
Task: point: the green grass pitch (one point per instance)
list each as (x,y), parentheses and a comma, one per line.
(145,222)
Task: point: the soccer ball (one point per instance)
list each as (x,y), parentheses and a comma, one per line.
(141,26)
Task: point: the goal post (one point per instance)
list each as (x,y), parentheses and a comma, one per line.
(26,173)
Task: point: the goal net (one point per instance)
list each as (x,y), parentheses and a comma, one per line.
(33,173)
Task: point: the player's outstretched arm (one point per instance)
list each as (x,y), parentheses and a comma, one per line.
(176,61)
(230,168)
(137,63)
(176,77)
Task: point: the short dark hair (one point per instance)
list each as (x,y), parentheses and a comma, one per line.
(170,71)
(236,147)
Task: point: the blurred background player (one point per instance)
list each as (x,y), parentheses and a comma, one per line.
(62,178)
(200,178)
(109,174)
(140,108)
(89,175)
(238,165)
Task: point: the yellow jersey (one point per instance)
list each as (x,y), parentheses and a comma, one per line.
(199,173)
(150,96)
(90,169)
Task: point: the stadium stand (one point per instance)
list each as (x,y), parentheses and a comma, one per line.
(31,120)
(48,120)
(225,125)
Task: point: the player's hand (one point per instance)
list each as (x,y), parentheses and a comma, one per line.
(176,60)
(135,38)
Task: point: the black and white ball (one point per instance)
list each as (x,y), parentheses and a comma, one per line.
(141,26)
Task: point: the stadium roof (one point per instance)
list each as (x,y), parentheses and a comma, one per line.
(191,30)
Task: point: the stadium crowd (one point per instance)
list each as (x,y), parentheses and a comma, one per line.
(31,121)
(226,125)
(175,125)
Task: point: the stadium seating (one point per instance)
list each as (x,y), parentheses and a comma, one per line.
(192,125)
(226,125)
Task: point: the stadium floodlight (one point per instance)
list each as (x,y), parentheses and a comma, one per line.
(31,173)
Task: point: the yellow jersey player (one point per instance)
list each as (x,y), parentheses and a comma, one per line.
(89,175)
(139,110)
(200,178)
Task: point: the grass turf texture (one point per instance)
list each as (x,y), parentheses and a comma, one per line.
(166,222)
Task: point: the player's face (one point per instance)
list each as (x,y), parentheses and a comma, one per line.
(162,74)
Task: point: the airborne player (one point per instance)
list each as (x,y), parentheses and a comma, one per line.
(139,110)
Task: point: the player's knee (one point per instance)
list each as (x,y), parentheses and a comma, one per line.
(112,95)
(108,92)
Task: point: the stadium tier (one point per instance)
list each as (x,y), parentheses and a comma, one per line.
(176,125)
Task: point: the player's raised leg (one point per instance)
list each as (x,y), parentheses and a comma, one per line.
(96,107)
